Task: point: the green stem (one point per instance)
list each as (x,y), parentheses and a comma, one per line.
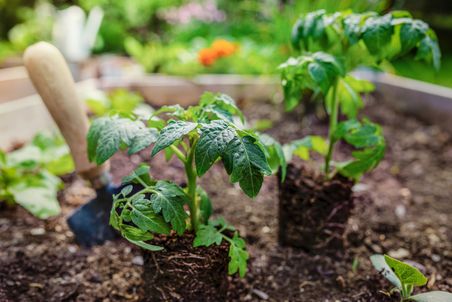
(332,128)
(191,183)
(179,154)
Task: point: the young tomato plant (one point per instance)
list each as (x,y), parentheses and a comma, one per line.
(331,46)
(405,277)
(198,136)
(28,175)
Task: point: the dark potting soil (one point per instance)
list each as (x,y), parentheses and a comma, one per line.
(403,208)
(185,273)
(314,211)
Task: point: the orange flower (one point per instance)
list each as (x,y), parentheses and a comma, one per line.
(224,48)
(207,56)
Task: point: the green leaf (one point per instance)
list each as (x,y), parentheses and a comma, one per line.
(48,152)
(324,70)
(359,85)
(141,173)
(124,101)
(429,51)
(214,138)
(175,130)
(146,246)
(379,263)
(37,194)
(302,147)
(364,161)
(126,190)
(316,72)
(348,95)
(106,135)
(275,154)
(173,110)
(377,33)
(239,256)
(205,204)
(221,223)
(169,199)
(411,33)
(246,163)
(434,296)
(114,220)
(207,235)
(149,222)
(353,27)
(406,273)
(310,30)
(220,105)
(55,156)
(98,106)
(146,219)
(358,134)
(135,234)
(368,138)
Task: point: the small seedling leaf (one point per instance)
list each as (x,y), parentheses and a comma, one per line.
(379,263)
(406,273)
(434,296)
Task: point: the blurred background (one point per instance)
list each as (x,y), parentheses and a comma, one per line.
(179,37)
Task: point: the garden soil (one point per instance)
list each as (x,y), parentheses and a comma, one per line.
(403,208)
(182,272)
(314,211)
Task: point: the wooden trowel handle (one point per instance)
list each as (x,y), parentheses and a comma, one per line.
(53,80)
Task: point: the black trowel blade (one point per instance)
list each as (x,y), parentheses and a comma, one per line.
(90,223)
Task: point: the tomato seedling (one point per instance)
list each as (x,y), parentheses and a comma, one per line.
(405,277)
(331,46)
(198,136)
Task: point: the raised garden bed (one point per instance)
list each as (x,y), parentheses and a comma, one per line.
(428,102)
(14,84)
(404,209)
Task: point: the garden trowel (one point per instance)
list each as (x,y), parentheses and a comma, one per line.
(52,79)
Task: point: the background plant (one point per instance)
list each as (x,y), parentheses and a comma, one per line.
(28,176)
(331,46)
(198,137)
(405,278)
(118,101)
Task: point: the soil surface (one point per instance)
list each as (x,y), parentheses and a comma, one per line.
(184,273)
(403,208)
(314,212)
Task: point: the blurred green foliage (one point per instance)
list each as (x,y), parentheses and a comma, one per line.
(140,29)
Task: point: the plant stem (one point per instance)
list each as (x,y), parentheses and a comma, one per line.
(178,153)
(332,128)
(191,183)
